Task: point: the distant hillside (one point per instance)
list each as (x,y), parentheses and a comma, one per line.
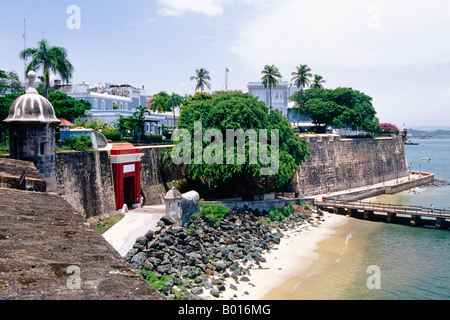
(423,133)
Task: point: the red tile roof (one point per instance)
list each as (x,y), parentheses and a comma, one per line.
(123,148)
(65,123)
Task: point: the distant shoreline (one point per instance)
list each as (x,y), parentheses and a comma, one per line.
(428,137)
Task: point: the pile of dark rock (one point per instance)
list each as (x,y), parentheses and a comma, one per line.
(199,256)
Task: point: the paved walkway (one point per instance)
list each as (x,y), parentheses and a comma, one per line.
(394,182)
(135,224)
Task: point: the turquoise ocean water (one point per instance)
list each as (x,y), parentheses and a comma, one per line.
(413,262)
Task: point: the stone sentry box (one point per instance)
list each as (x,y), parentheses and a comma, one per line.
(179,206)
(32,122)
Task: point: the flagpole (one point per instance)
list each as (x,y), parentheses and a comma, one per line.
(226,79)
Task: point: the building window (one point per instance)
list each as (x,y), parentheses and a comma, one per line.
(147,127)
(126,106)
(121,106)
(115,106)
(42,147)
(278,95)
(96,103)
(103,105)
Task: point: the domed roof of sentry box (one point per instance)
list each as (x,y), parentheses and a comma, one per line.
(32,107)
(173,193)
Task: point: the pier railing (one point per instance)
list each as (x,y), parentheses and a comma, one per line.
(384,207)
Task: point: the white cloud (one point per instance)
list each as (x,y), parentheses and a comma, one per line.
(178,7)
(347,33)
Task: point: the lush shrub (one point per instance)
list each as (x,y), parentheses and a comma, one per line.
(277,214)
(152,137)
(389,128)
(127,139)
(77,143)
(112,135)
(287,210)
(211,213)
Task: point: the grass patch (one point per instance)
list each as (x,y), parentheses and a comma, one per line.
(159,284)
(104,225)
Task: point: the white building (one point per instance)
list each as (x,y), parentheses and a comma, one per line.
(280,94)
(109,102)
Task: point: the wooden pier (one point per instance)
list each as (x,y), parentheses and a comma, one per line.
(369,211)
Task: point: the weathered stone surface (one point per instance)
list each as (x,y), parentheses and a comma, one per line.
(139,259)
(153,177)
(168,221)
(12,169)
(197,290)
(45,243)
(215,293)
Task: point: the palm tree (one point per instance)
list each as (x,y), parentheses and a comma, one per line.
(50,59)
(270,78)
(175,100)
(202,75)
(301,80)
(139,115)
(317,82)
(160,102)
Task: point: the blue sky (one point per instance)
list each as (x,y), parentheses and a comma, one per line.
(397,52)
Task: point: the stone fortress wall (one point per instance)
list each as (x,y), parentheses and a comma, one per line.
(337,164)
(85,180)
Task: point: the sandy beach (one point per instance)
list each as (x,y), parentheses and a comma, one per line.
(295,253)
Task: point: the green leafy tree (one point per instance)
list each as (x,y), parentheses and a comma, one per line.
(9,83)
(340,108)
(270,78)
(51,60)
(202,77)
(10,90)
(92,123)
(3,83)
(67,107)
(128,125)
(301,80)
(109,130)
(5,104)
(234,111)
